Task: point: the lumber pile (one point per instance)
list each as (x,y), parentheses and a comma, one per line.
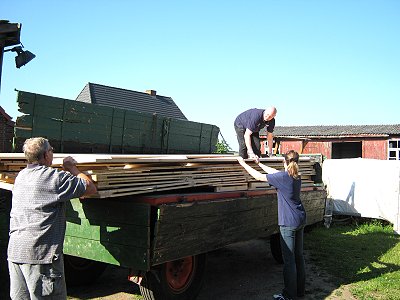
(122,175)
(79,127)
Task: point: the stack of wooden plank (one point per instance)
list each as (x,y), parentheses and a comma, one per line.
(80,127)
(121,175)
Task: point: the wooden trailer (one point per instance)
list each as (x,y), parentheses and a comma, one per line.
(162,236)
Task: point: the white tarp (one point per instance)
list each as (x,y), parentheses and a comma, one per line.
(365,187)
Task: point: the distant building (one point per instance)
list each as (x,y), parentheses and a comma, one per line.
(341,141)
(6,131)
(148,102)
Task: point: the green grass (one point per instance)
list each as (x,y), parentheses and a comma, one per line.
(366,256)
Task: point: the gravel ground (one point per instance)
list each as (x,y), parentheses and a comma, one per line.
(244,270)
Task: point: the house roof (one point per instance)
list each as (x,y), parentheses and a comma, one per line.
(335,131)
(148,102)
(6,117)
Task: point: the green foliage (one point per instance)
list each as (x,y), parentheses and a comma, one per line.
(366,256)
(222,147)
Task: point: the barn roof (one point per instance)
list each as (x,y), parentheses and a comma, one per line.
(148,102)
(336,130)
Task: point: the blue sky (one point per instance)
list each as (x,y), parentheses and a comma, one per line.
(319,62)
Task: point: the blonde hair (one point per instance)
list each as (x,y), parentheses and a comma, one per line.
(292,160)
(35,148)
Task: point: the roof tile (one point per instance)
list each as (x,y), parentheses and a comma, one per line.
(128,99)
(335,130)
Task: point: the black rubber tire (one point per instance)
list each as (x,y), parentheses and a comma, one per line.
(275,245)
(155,285)
(81,271)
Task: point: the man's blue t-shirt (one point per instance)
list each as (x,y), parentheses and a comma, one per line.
(253,119)
(291,211)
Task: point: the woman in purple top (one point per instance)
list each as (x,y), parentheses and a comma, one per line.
(291,221)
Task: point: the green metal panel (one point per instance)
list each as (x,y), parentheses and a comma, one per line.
(115,231)
(117,128)
(143,131)
(101,127)
(40,105)
(49,128)
(78,111)
(187,133)
(126,256)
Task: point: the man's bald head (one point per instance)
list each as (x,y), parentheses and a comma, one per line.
(270,113)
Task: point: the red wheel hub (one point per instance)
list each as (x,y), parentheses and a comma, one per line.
(179,273)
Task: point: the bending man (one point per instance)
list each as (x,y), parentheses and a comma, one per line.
(247,127)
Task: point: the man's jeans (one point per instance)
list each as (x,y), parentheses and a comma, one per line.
(255,142)
(33,282)
(294,267)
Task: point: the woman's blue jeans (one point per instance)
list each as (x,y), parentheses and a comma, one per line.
(294,274)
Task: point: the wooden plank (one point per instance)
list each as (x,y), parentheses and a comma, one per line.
(137,190)
(228,188)
(6,186)
(205,226)
(202,227)
(143,185)
(117,175)
(147,158)
(258,185)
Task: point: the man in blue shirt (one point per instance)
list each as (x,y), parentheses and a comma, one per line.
(247,126)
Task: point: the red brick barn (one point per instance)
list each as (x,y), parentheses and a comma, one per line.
(344,141)
(6,131)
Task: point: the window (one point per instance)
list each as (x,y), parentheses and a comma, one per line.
(346,149)
(394,150)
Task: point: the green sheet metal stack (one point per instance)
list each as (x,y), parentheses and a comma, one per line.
(79,127)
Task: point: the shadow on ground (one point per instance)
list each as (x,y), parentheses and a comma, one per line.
(240,271)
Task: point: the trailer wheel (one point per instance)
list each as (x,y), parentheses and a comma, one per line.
(81,271)
(181,279)
(275,245)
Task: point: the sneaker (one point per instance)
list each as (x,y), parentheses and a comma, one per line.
(280,297)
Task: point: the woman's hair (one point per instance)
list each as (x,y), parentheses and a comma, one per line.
(35,148)
(292,160)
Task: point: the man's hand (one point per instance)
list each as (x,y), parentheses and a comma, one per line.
(253,157)
(69,164)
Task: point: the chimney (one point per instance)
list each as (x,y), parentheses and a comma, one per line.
(151,92)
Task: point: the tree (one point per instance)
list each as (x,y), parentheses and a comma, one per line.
(222,147)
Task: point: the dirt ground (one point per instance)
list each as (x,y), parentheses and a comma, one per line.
(244,270)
